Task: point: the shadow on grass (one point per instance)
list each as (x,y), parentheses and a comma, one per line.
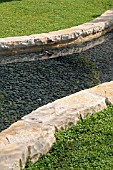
(95,16)
(1,1)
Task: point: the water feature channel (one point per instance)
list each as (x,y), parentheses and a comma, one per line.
(28,81)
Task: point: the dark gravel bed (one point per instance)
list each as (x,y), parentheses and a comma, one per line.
(28,85)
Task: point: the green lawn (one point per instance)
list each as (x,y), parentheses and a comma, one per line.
(24,17)
(89,145)
(86,146)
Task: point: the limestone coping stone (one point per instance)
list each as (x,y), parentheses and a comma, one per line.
(13,157)
(33,135)
(36,138)
(67,110)
(73,35)
(54,53)
(105,89)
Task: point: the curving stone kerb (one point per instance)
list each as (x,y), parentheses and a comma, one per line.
(105,89)
(77,34)
(23,140)
(33,135)
(54,53)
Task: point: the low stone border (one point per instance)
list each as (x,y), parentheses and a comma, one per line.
(33,135)
(74,35)
(54,53)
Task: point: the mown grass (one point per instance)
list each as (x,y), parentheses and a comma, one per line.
(86,146)
(24,17)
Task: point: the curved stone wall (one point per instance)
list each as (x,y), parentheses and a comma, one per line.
(77,34)
(33,135)
(54,53)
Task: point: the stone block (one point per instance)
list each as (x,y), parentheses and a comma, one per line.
(38,138)
(13,157)
(67,110)
(105,89)
(13,42)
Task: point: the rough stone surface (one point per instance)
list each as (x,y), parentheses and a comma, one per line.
(13,157)
(105,89)
(67,110)
(72,49)
(33,136)
(37,138)
(76,34)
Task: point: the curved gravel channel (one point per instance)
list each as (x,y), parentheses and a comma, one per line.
(25,86)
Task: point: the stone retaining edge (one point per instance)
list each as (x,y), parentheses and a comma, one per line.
(33,135)
(51,40)
(54,53)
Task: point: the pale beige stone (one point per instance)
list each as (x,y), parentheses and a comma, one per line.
(13,157)
(38,138)
(58,38)
(41,147)
(67,110)
(11,42)
(62,52)
(34,135)
(105,89)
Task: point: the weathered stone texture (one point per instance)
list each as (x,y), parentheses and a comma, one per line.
(34,134)
(55,53)
(54,39)
(32,140)
(13,157)
(67,110)
(105,89)
(13,42)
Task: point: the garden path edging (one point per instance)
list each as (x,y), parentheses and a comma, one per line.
(51,40)
(33,135)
